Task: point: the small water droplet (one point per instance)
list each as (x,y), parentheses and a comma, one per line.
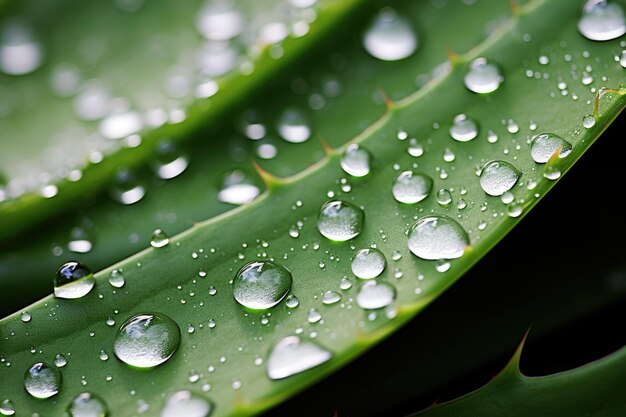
(7,408)
(390,37)
(498,177)
(292,301)
(25,316)
(411,187)
(356,161)
(291,356)
(237,188)
(511,126)
(60,361)
(463,129)
(373,295)
(103,356)
(514,210)
(589,121)
(552,172)
(602,20)
(442,266)
(483,77)
(437,237)
(340,221)
(116,278)
(127,189)
(184,403)
(169,162)
(331,297)
(73,280)
(260,285)
(345,283)
(444,197)
(146,340)
(368,263)
(87,405)
(415,148)
(293,126)
(20,52)
(545,145)
(159,239)
(42,380)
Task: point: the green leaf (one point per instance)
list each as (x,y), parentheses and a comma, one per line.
(167,279)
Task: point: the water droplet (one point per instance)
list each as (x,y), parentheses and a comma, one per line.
(159,239)
(622,59)
(483,77)
(252,125)
(498,177)
(331,297)
(146,340)
(345,283)
(356,161)
(602,21)
(442,266)
(20,52)
(261,285)
(373,295)
(7,408)
(511,126)
(60,361)
(410,187)
(314,316)
(552,172)
(291,356)
(93,101)
(103,356)
(219,21)
(87,405)
(390,37)
(340,221)
(547,144)
(589,121)
(292,301)
(463,129)
(127,189)
(437,237)
(293,126)
(169,163)
(415,148)
(120,125)
(42,380)
(185,403)
(215,59)
(368,263)
(73,280)
(514,210)
(25,316)
(444,197)
(116,279)
(237,188)
(79,241)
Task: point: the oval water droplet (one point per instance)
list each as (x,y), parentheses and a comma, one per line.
(291,356)
(169,163)
(444,197)
(368,263)
(483,77)
(356,161)
(120,125)
(25,317)
(292,301)
(42,380)
(7,408)
(20,52)
(87,405)
(73,280)
(185,403)
(545,145)
(116,279)
(602,20)
(127,189)
(237,188)
(437,237)
(159,239)
(498,177)
(463,129)
(331,297)
(293,126)
(390,37)
(59,360)
(340,221)
(411,187)
(146,340)
(589,121)
(374,295)
(260,285)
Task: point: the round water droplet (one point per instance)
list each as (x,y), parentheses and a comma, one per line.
(498,177)
(589,121)
(415,148)
(159,239)
(73,280)
(390,37)
(340,221)
(87,405)
(437,237)
(215,59)
(20,52)
(251,125)
(261,285)
(237,188)
(25,317)
(602,20)
(292,301)
(146,340)
(552,172)
(127,189)
(373,295)
(463,129)
(410,187)
(291,356)
(187,404)
(331,297)
(356,161)
(42,380)
(547,144)
(514,210)
(368,263)
(483,77)
(345,283)
(314,316)
(120,125)
(116,279)
(7,408)
(293,126)
(444,197)
(219,21)
(59,360)
(169,163)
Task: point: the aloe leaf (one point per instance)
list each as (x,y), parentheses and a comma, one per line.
(174,287)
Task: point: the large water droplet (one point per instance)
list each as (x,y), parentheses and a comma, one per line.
(7,408)
(20,52)
(73,280)
(219,21)
(463,129)
(374,295)
(368,263)
(261,285)
(340,221)
(498,177)
(170,163)
(602,21)
(184,403)
(127,189)
(356,161)
(237,188)
(437,237)
(483,77)
(42,380)
(87,405)
(146,340)
(291,356)
(410,187)
(545,145)
(390,37)
(293,126)
(589,121)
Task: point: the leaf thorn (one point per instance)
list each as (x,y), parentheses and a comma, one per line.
(389,103)
(453,57)
(271,181)
(516,9)
(328,150)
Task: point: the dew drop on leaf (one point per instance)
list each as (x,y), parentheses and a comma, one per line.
(73,280)
(602,20)
(127,189)
(356,161)
(159,239)
(291,356)
(185,403)
(20,51)
(373,295)
(87,405)
(7,408)
(42,380)
(390,37)
(463,129)
(340,221)
(116,278)
(331,297)
(437,237)
(169,162)
(545,145)
(589,121)
(368,263)
(498,177)
(237,188)
(293,126)
(483,77)
(411,187)
(260,285)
